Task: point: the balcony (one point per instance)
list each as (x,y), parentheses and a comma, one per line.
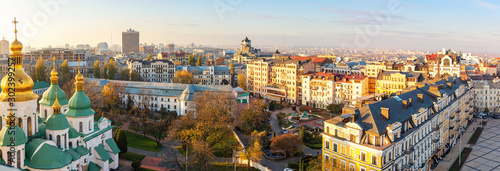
(435,140)
(458,111)
(409,151)
(435,128)
(452,127)
(408,166)
(452,117)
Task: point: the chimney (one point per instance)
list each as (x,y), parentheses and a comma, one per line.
(449,85)
(385,112)
(405,104)
(420,97)
(409,102)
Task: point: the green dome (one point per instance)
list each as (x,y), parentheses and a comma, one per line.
(79,105)
(45,157)
(57,122)
(17,135)
(41,129)
(49,96)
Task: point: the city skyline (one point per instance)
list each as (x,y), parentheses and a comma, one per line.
(457,24)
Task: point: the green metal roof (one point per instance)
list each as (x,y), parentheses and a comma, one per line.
(244,94)
(49,97)
(96,132)
(2,161)
(72,133)
(81,150)
(7,134)
(111,160)
(41,129)
(102,152)
(79,105)
(57,122)
(73,154)
(47,156)
(40,85)
(112,144)
(93,167)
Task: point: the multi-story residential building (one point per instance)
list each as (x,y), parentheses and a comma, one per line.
(410,131)
(394,81)
(318,62)
(318,89)
(4,46)
(183,57)
(345,68)
(488,69)
(130,42)
(444,62)
(487,95)
(156,70)
(276,79)
(171,96)
(59,53)
(469,59)
(350,87)
(208,75)
(372,70)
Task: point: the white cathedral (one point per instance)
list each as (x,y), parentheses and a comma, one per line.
(61,135)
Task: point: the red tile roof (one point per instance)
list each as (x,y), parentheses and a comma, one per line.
(312,58)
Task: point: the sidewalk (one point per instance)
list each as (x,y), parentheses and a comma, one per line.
(450,158)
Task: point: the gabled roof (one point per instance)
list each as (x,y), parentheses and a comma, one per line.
(102,152)
(46,156)
(112,144)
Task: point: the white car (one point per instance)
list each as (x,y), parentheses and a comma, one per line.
(284,131)
(288,169)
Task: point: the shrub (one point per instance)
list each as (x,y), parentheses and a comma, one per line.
(136,164)
(121,141)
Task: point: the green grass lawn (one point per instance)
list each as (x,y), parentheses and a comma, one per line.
(140,142)
(475,136)
(465,153)
(132,156)
(225,147)
(314,142)
(139,129)
(144,169)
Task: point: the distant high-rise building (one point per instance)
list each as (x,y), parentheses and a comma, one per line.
(102,48)
(130,41)
(4,46)
(170,47)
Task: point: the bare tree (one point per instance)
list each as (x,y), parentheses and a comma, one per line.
(156,129)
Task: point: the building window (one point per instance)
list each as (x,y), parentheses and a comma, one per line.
(81,127)
(374,159)
(59,141)
(327,144)
(335,147)
(363,156)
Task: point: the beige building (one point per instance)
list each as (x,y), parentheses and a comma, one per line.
(389,82)
(349,87)
(487,95)
(246,52)
(410,131)
(4,47)
(318,89)
(276,79)
(372,70)
(130,42)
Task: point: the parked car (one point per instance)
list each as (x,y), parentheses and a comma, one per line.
(284,131)
(306,156)
(496,117)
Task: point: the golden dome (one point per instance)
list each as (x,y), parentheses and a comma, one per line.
(79,78)
(16,84)
(56,107)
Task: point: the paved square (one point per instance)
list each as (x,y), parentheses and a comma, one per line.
(485,154)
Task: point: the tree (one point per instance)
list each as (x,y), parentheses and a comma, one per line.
(68,87)
(97,69)
(301,133)
(253,116)
(253,153)
(335,108)
(105,70)
(121,141)
(125,74)
(242,81)
(177,62)
(136,164)
(202,155)
(134,76)
(112,69)
(224,82)
(156,129)
(190,58)
(111,94)
(149,57)
(129,104)
(198,62)
(39,74)
(183,76)
(231,66)
(319,164)
(287,143)
(65,74)
(486,110)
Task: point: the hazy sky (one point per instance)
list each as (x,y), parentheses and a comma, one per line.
(469,25)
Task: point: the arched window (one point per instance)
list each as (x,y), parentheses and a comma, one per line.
(18,159)
(446,62)
(29,127)
(81,127)
(20,122)
(1,154)
(59,141)
(336,132)
(45,113)
(90,126)
(70,144)
(327,129)
(9,153)
(77,143)
(50,136)
(90,151)
(1,123)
